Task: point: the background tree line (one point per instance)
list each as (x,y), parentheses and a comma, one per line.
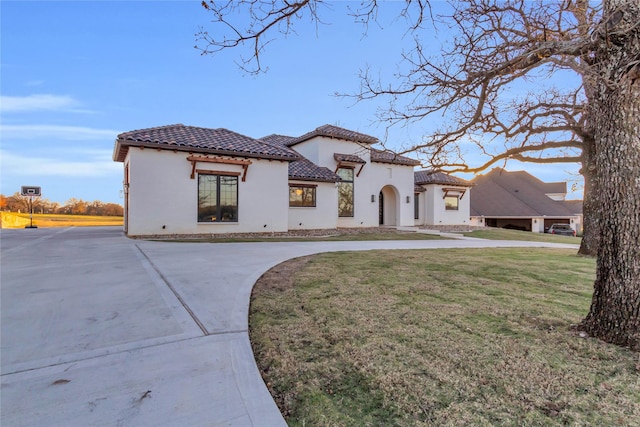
(73,206)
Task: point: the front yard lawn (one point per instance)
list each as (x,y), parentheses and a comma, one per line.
(438,337)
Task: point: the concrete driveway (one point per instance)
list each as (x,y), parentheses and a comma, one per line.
(101,330)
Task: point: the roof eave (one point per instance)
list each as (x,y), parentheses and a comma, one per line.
(123,145)
(309,179)
(399,163)
(314,134)
(469,185)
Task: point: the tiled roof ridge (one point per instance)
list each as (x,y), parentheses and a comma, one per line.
(389,156)
(333,131)
(150,129)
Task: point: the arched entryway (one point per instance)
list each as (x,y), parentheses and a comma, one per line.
(388,205)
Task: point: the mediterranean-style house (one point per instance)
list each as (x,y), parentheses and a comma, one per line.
(190,180)
(521,201)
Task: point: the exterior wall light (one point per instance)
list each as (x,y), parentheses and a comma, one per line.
(373,198)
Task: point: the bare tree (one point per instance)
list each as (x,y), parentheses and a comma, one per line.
(19,203)
(592,117)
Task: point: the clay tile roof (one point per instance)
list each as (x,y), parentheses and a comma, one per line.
(277,139)
(351,158)
(431,177)
(335,132)
(203,140)
(303,169)
(391,157)
(306,170)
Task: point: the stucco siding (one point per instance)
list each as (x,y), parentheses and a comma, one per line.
(163,199)
(369,180)
(385,177)
(323,215)
(436,212)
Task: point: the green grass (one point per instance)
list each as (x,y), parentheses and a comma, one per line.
(446,337)
(503,234)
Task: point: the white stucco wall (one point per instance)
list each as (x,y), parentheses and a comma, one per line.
(477,221)
(421,209)
(397,181)
(323,215)
(386,177)
(537,224)
(435,212)
(163,199)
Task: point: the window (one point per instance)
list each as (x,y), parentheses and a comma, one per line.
(302,196)
(345,192)
(217,198)
(451,203)
(416,205)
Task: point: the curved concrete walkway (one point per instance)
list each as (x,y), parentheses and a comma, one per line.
(101,330)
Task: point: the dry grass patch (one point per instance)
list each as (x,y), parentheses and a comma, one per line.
(447,337)
(504,234)
(58,220)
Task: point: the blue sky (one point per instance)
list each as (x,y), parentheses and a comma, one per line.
(74,74)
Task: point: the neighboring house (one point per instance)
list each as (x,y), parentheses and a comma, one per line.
(190,180)
(521,201)
(441,199)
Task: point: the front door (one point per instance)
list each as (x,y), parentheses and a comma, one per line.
(381,209)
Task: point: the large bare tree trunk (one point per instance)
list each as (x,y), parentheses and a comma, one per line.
(590,222)
(614,110)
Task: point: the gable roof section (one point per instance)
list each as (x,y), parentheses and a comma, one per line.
(424,177)
(201,140)
(302,169)
(517,194)
(392,158)
(331,131)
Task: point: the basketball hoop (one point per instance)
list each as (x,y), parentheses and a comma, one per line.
(30,192)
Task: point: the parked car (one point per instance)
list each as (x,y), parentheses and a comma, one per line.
(561,230)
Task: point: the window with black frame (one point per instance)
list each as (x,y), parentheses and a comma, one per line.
(451,203)
(345,192)
(217,198)
(302,196)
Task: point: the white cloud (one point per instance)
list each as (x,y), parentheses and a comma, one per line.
(37,103)
(73,133)
(95,163)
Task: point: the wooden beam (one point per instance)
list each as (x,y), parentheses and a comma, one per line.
(218,160)
(194,159)
(224,173)
(460,192)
